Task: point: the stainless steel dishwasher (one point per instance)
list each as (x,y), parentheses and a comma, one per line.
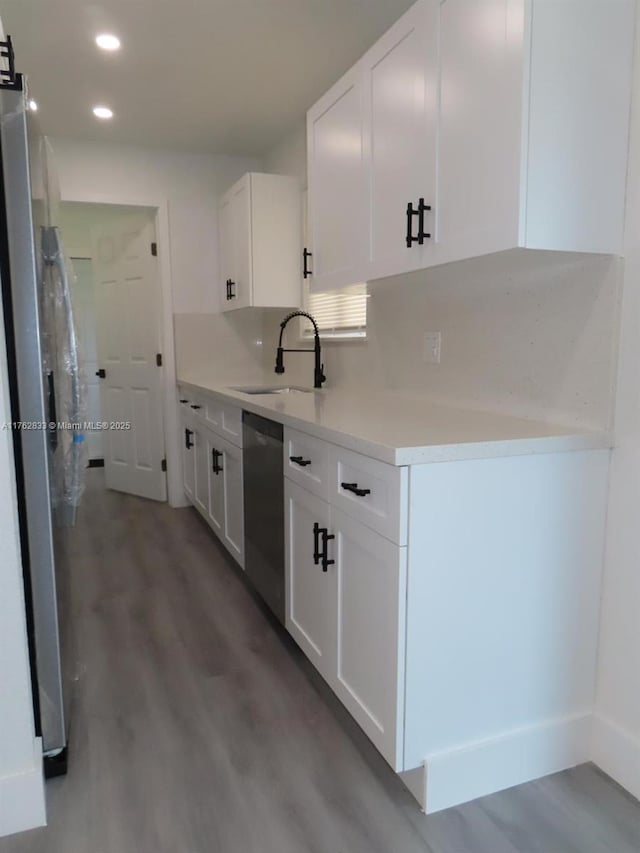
(264,509)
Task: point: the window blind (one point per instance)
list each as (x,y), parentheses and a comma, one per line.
(339,314)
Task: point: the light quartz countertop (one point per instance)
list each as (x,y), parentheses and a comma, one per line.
(401,429)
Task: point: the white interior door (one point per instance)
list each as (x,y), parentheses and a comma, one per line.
(128,326)
(84,304)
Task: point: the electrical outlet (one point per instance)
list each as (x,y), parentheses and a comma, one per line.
(432,347)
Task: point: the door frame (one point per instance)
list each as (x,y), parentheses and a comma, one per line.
(175,491)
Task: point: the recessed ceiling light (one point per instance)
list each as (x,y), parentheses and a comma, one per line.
(102,112)
(107,41)
(33,106)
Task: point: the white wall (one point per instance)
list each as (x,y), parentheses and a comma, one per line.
(189,183)
(617,729)
(21,783)
(185,188)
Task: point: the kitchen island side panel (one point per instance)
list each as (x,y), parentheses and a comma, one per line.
(504,585)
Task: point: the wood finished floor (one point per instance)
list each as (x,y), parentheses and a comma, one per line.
(197,726)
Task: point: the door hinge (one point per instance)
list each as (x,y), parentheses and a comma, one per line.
(159,359)
(154,250)
(163,465)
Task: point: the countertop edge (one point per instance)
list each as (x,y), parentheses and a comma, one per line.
(415,455)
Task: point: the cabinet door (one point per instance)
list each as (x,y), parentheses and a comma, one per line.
(233,535)
(370,580)
(480,127)
(308,590)
(227,250)
(337,185)
(401,86)
(188,457)
(235,245)
(201,470)
(215,509)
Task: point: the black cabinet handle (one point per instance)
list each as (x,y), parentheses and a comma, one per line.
(316,543)
(319,555)
(299,460)
(187,438)
(326,537)
(216,466)
(353,488)
(232,289)
(419,212)
(228,289)
(184,401)
(102,373)
(195,406)
(422,234)
(306,271)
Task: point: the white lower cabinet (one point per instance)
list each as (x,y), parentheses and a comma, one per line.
(201,469)
(309,591)
(213,475)
(188,455)
(231,462)
(369,582)
(345,607)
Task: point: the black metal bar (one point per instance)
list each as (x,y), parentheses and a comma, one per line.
(353,488)
(195,406)
(187,438)
(410,214)
(316,543)
(422,209)
(326,537)
(306,255)
(299,460)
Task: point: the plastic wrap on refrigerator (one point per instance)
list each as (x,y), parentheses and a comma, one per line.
(65,380)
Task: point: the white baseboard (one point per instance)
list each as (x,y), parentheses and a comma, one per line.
(22,803)
(617,752)
(484,767)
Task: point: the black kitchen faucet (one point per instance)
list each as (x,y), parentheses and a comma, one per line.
(318,373)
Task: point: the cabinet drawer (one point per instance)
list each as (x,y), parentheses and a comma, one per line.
(193,403)
(306,462)
(225,420)
(371,491)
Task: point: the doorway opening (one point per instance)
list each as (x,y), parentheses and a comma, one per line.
(118,308)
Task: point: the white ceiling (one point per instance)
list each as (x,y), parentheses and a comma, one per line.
(226,76)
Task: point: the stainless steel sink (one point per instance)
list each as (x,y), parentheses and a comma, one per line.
(271,389)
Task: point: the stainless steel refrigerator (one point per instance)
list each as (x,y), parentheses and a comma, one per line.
(45,379)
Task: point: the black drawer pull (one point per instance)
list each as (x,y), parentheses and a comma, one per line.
(215,462)
(195,406)
(187,438)
(184,401)
(353,488)
(299,460)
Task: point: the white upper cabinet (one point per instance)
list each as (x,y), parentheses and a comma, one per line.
(261,243)
(401,121)
(337,184)
(507,118)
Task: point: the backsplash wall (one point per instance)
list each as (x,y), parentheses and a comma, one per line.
(529,334)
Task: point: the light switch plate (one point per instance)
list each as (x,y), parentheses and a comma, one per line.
(432,346)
